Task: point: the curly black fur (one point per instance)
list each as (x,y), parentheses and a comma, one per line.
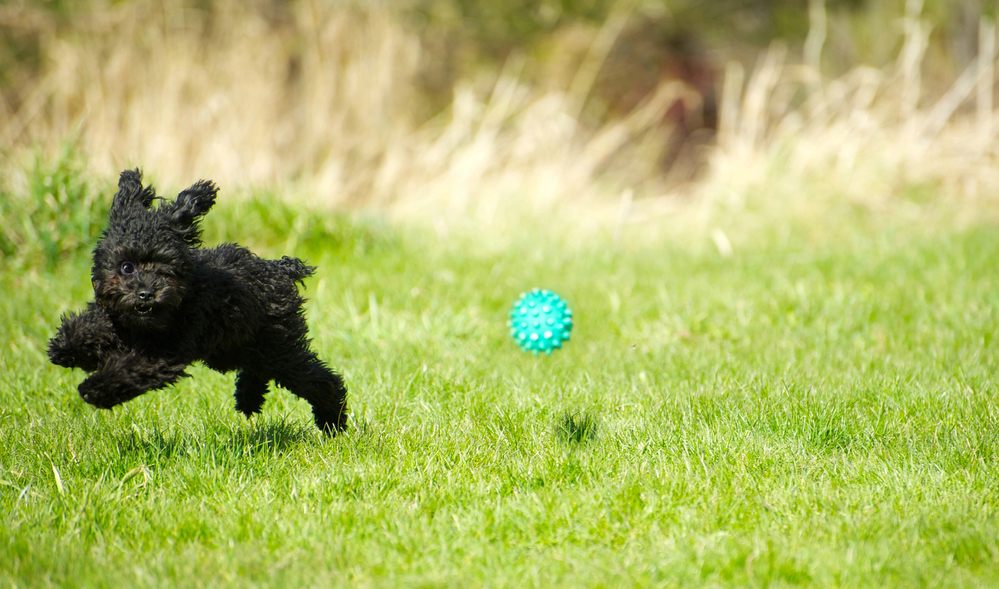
(163,302)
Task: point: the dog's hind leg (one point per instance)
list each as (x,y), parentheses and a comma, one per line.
(310,379)
(250,391)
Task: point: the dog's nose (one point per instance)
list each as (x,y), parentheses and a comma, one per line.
(145,295)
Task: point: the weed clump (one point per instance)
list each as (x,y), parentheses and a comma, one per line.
(55,214)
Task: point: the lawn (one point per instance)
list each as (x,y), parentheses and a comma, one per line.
(802,412)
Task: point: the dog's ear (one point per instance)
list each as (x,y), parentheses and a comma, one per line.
(131,193)
(190,206)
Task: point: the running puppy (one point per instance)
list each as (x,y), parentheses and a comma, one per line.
(162,302)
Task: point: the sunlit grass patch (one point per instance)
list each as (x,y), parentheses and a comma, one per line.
(798,413)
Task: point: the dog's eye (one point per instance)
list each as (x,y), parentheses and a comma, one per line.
(127,268)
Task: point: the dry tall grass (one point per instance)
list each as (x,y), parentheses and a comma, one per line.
(317,92)
(316,102)
(871,139)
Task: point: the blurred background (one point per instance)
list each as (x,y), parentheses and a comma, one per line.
(611,113)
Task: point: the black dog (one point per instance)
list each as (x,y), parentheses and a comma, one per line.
(162,302)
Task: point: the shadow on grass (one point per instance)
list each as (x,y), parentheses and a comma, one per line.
(274,437)
(261,437)
(576,428)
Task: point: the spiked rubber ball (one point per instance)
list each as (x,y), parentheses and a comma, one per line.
(540,321)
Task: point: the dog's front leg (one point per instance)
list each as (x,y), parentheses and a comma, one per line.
(83,339)
(122,377)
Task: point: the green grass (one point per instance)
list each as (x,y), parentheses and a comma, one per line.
(796,414)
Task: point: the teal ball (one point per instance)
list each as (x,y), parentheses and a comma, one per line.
(540,321)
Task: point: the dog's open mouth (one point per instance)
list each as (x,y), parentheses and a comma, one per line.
(143,309)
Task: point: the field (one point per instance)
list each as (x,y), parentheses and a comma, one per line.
(782,366)
(796,413)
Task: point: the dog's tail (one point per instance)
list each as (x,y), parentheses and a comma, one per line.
(296,269)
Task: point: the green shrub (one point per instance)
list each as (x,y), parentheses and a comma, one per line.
(57,214)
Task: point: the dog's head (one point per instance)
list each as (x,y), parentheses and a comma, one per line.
(143,262)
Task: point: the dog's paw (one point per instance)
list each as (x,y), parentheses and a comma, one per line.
(331,421)
(80,339)
(249,408)
(62,353)
(96,392)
